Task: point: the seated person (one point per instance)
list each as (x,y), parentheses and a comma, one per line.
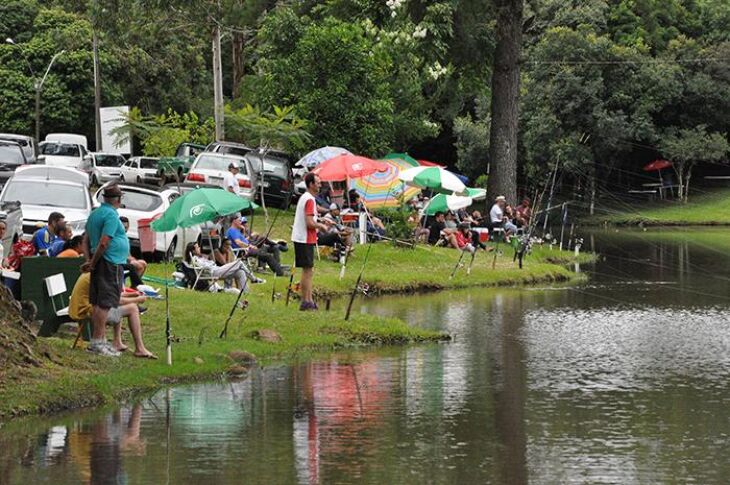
(237,235)
(450,221)
(47,235)
(523,213)
(80,308)
(375,226)
(333,220)
(497,217)
(65,233)
(74,248)
(438,231)
(135,267)
(224,254)
(464,239)
(236,269)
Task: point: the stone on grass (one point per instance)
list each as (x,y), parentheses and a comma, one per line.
(237,370)
(242,357)
(198,360)
(266,335)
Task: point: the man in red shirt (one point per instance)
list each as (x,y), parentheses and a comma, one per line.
(304,237)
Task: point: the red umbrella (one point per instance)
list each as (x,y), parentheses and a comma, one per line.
(344,167)
(657,165)
(426,163)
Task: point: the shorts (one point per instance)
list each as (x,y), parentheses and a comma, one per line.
(303,255)
(105,287)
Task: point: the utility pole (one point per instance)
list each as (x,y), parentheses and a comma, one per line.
(97,91)
(218,84)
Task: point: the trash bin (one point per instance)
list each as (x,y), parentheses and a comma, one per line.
(147,239)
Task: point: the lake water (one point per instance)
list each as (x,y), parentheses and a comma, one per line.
(622,379)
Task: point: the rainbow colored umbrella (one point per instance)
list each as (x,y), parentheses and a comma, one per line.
(384,189)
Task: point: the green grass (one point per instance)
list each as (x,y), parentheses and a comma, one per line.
(708,209)
(76,379)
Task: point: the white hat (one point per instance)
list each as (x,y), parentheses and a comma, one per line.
(501,197)
(334,206)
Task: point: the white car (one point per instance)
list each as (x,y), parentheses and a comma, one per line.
(211,168)
(62,154)
(140,170)
(103,167)
(144,202)
(11,214)
(42,189)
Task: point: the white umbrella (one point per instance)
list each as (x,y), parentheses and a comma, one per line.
(434,178)
(315,157)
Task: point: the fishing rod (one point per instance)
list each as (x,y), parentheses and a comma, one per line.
(471,263)
(289,288)
(357,282)
(461,256)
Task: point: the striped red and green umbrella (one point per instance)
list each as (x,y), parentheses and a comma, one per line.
(385,189)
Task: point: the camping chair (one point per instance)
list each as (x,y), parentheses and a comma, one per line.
(195,275)
(56,287)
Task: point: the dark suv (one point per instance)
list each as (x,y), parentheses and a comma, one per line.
(11,157)
(273,165)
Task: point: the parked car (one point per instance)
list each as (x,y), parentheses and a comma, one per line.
(211,168)
(12,214)
(27,143)
(42,189)
(145,202)
(171,169)
(273,172)
(210,232)
(62,154)
(140,170)
(103,167)
(11,157)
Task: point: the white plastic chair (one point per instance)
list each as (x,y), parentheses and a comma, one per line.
(56,286)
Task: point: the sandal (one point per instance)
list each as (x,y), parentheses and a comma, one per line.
(146,356)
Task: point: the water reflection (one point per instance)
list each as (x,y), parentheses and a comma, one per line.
(625,379)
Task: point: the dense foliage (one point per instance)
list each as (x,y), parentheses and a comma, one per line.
(607,86)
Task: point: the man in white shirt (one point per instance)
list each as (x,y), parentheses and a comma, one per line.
(230,181)
(497,218)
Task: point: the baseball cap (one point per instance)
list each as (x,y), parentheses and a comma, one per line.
(334,206)
(232,165)
(244,220)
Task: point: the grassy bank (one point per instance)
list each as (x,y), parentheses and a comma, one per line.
(702,210)
(75,378)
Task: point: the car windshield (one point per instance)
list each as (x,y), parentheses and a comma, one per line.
(137,201)
(46,193)
(233,150)
(109,160)
(11,154)
(148,163)
(271,165)
(211,162)
(23,142)
(60,149)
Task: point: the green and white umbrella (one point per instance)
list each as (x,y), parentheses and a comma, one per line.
(434,178)
(444,203)
(198,206)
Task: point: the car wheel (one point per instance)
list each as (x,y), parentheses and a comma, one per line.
(121,178)
(94,181)
(139,179)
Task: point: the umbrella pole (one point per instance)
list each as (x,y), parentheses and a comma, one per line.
(168,327)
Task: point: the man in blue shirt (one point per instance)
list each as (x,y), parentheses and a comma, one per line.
(237,234)
(47,235)
(65,234)
(106,243)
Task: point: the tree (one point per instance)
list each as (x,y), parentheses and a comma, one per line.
(688,146)
(505,99)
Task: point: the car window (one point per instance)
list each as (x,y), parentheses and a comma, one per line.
(171,198)
(46,193)
(148,162)
(271,165)
(109,160)
(11,155)
(23,142)
(240,151)
(211,162)
(137,201)
(60,149)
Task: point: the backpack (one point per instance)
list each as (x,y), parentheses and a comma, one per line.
(21,249)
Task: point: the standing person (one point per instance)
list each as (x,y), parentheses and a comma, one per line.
(106,248)
(304,237)
(230,181)
(47,235)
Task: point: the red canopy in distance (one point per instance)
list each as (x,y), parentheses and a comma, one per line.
(657,165)
(343,167)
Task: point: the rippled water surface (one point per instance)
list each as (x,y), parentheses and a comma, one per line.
(623,379)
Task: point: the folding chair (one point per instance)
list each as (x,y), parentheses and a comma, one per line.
(56,287)
(199,273)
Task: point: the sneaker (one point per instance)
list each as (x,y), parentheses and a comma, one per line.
(257,280)
(141,309)
(232,291)
(103,349)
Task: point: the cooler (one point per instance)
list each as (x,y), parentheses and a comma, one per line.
(147,239)
(483,233)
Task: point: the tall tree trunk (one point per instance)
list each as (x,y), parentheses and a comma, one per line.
(237,57)
(505,97)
